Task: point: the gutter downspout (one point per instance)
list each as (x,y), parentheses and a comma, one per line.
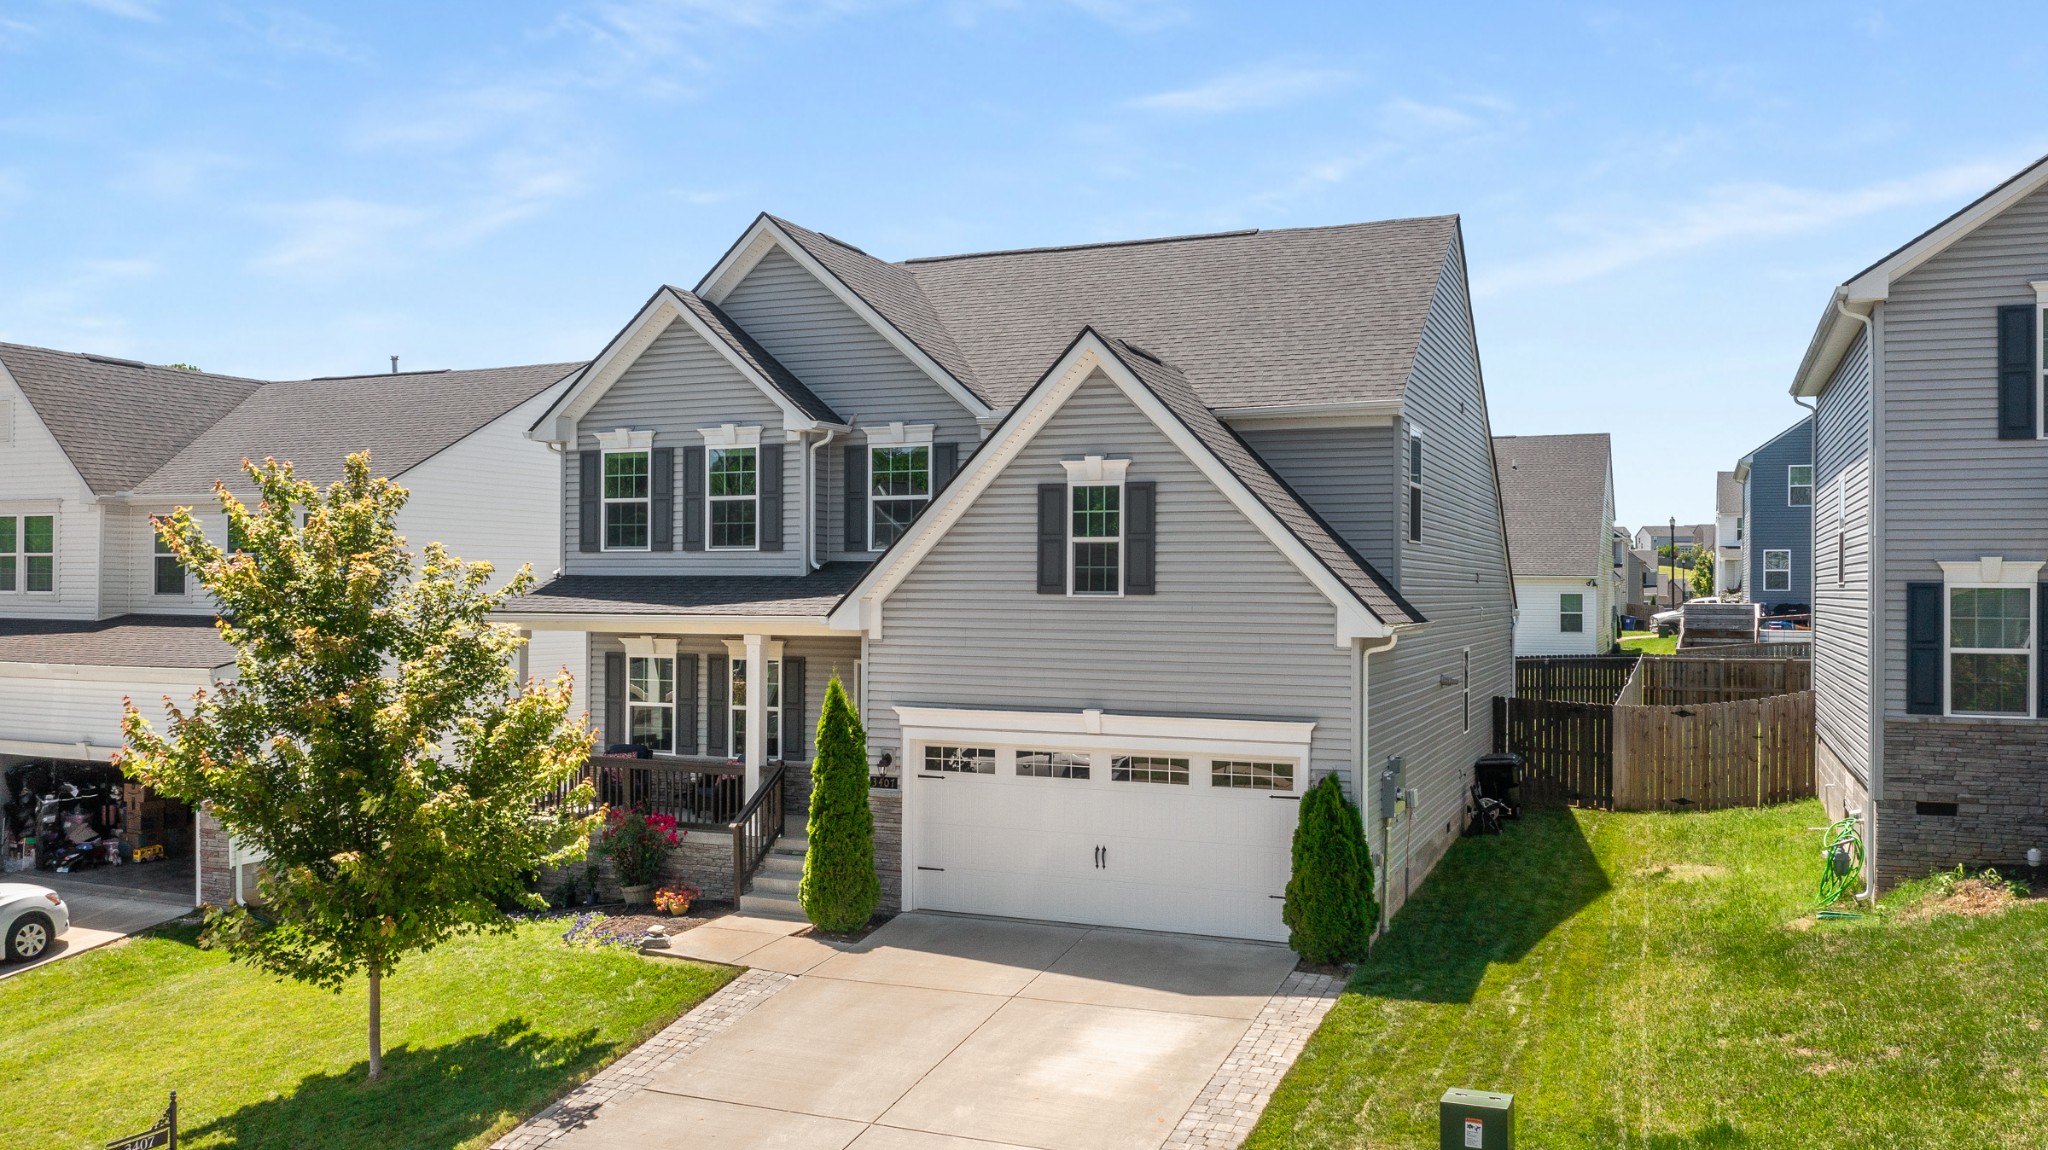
(1869,890)
(1365,778)
(811,548)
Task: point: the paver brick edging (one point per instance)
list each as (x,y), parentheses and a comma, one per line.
(1225,1111)
(633,1071)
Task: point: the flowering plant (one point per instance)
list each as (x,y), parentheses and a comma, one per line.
(636,843)
(675,900)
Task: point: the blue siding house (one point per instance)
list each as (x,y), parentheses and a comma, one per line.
(1777,519)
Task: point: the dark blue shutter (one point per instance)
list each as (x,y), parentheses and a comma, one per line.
(945,462)
(719,680)
(662,506)
(792,710)
(2016,371)
(1923,648)
(856,497)
(1052,539)
(693,499)
(686,704)
(768,489)
(1141,538)
(589,500)
(615,698)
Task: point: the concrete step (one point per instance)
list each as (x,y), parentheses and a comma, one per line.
(777,906)
(782,866)
(765,883)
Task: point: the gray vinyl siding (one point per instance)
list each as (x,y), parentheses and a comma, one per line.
(859,374)
(1348,475)
(822,659)
(679,385)
(1841,608)
(1235,629)
(1951,489)
(1772,523)
(1457,576)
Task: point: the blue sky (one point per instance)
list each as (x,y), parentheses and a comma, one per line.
(1656,199)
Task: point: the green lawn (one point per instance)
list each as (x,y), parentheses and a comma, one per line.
(1648,643)
(1643,980)
(477,1035)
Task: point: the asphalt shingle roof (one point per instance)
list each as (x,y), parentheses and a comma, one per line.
(117,420)
(1553,490)
(401,419)
(1166,381)
(757,356)
(1727,494)
(123,641)
(795,595)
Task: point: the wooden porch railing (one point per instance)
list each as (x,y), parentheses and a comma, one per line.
(699,792)
(755,829)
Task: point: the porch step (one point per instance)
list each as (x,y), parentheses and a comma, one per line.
(771,905)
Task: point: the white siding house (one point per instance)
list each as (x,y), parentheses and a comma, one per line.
(1558,492)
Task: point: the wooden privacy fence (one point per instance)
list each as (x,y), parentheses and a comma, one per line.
(1707,756)
(1572,678)
(1567,749)
(1681,680)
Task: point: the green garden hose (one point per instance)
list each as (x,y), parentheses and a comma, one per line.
(1841,862)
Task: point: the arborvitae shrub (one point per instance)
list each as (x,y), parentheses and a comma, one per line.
(840,889)
(1330,909)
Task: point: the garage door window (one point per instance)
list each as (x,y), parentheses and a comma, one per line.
(1254,776)
(1052,765)
(961,760)
(1148,769)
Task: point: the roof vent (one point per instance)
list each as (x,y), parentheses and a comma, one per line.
(116,360)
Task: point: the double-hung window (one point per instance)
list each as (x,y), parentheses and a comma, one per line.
(771,718)
(628,494)
(1098,538)
(733,497)
(1415,485)
(28,553)
(1571,612)
(1990,650)
(169,573)
(1777,569)
(1799,485)
(899,489)
(651,701)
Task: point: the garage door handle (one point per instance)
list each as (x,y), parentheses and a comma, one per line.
(931,868)
(1286,798)
(941,778)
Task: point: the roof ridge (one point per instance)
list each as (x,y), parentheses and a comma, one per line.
(123,361)
(1188,237)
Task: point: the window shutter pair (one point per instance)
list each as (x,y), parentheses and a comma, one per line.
(720,703)
(661,509)
(615,731)
(589,500)
(2016,416)
(792,709)
(1141,538)
(693,499)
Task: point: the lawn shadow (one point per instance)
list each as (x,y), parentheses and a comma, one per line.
(430,1099)
(1491,899)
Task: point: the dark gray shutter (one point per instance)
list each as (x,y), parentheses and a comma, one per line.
(2016,371)
(792,710)
(768,487)
(945,461)
(693,499)
(1052,539)
(1141,538)
(720,682)
(1923,648)
(2040,653)
(589,500)
(615,698)
(686,704)
(856,498)
(662,507)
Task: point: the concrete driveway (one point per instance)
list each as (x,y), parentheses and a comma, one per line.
(940,1032)
(100,914)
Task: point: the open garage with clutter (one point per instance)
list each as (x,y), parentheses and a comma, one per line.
(81,817)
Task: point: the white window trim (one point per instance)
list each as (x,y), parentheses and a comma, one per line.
(901,435)
(1412,483)
(1096,471)
(625,439)
(728,437)
(673,704)
(2040,360)
(1790,486)
(1561,612)
(771,717)
(19,513)
(892,436)
(1787,553)
(605,503)
(184,591)
(1991,571)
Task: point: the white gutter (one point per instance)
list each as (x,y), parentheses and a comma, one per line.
(811,534)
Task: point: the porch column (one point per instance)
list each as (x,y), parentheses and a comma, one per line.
(756,750)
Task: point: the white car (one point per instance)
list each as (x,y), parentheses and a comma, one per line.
(31,918)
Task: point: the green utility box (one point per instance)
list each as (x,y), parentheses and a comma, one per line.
(1477,1120)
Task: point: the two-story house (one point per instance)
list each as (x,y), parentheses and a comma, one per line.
(1931,532)
(94,448)
(1558,495)
(1777,512)
(1728,534)
(1119,546)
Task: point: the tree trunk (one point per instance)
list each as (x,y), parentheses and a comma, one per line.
(376,1025)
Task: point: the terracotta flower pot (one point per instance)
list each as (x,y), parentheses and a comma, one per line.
(637,895)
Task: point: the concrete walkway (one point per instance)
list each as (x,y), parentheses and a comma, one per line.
(100,914)
(940,1032)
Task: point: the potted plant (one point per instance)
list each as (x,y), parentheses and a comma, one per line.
(675,901)
(636,843)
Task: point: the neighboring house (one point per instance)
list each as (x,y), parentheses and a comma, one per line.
(1777,502)
(1728,528)
(1115,545)
(1558,494)
(1659,592)
(1628,568)
(1658,535)
(1929,467)
(93,447)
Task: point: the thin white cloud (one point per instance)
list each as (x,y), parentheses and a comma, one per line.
(1737,212)
(1270,86)
(337,233)
(1134,15)
(126,9)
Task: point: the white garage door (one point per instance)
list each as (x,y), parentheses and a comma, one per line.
(1178,840)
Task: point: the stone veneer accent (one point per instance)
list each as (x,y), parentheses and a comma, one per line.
(631,1073)
(1994,770)
(887,806)
(1840,788)
(216,879)
(1227,1108)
